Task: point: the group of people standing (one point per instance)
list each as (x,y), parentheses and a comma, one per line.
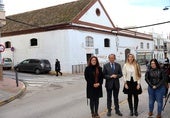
(131,73)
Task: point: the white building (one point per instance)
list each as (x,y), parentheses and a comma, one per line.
(70,32)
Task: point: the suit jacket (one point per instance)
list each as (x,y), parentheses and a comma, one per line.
(107,71)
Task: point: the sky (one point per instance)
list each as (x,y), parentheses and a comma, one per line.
(124,13)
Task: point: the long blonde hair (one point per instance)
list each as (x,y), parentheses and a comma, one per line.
(136,66)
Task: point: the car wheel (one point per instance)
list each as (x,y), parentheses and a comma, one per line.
(37,71)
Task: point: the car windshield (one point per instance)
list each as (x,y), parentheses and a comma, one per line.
(25,62)
(7,60)
(46,61)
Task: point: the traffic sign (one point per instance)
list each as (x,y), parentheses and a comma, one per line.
(2,48)
(12,49)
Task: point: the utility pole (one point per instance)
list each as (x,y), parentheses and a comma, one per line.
(2,23)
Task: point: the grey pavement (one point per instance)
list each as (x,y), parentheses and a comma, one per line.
(9,91)
(142,109)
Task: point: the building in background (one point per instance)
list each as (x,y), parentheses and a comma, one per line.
(71,32)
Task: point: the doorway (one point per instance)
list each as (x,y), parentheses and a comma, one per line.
(127,51)
(88,57)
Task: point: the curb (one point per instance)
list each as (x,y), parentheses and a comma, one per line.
(20,93)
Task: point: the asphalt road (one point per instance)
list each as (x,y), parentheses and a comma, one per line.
(48,96)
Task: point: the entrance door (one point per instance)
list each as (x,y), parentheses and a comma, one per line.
(127,51)
(88,57)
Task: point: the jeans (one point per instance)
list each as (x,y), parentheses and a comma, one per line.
(156,95)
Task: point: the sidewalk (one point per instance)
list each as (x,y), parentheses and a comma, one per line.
(142,109)
(9,91)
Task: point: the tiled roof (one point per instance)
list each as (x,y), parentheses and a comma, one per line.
(45,17)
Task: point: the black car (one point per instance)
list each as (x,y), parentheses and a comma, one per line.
(36,66)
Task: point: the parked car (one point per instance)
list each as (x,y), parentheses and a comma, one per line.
(36,66)
(7,63)
(141,61)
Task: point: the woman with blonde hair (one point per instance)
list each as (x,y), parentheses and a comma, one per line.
(132,75)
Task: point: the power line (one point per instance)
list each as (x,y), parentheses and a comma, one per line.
(145,25)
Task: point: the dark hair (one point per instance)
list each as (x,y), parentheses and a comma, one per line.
(97,62)
(156,62)
(112,55)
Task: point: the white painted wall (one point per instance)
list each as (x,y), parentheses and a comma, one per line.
(51,45)
(68,46)
(91,17)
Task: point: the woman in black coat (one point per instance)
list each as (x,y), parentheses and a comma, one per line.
(57,67)
(94,78)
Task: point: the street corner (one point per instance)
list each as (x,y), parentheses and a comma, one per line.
(9,90)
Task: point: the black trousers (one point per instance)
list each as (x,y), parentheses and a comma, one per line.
(94,105)
(130,101)
(132,94)
(58,72)
(115,93)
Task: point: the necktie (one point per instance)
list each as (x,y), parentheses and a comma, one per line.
(113,67)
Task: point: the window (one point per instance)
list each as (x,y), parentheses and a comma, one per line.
(8,44)
(33,42)
(25,62)
(34,61)
(106,42)
(165,45)
(141,45)
(89,41)
(97,12)
(147,45)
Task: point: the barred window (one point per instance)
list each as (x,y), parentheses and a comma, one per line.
(89,41)
(148,46)
(141,45)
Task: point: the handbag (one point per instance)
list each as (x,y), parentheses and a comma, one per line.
(139,91)
(135,91)
(125,91)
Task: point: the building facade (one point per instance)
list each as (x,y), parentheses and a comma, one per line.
(72,36)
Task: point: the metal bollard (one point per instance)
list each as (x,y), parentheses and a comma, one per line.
(16,77)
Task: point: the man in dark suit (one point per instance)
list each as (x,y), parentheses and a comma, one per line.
(112,72)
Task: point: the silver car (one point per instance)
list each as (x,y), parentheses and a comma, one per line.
(7,63)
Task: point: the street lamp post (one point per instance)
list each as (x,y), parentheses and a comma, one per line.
(2,23)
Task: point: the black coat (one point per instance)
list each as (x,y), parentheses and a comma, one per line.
(57,66)
(91,91)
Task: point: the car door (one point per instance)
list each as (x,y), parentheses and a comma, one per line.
(32,65)
(23,66)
